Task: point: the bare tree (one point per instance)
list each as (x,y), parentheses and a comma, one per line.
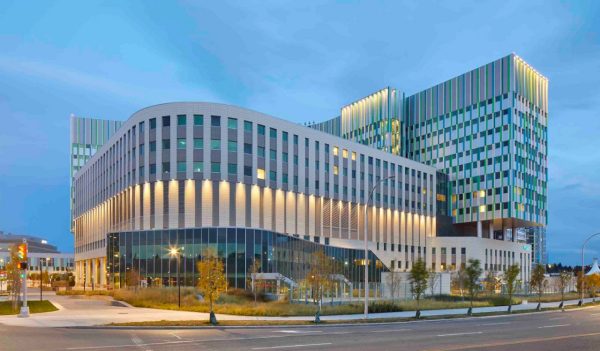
(132,279)
(13,277)
(394,280)
(319,276)
(433,281)
(458,282)
(254,269)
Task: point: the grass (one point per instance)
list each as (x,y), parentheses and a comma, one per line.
(34,307)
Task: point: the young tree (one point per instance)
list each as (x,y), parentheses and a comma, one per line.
(253,270)
(510,278)
(418,282)
(472,273)
(490,283)
(13,276)
(319,276)
(394,280)
(538,282)
(212,280)
(564,278)
(132,279)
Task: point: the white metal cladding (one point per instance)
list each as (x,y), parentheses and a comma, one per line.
(324,176)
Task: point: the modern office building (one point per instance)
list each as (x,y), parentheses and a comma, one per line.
(87,136)
(468,160)
(485,129)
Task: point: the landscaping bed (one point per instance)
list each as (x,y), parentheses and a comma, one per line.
(6,307)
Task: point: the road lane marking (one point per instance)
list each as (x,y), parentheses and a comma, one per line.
(594,314)
(175,335)
(290,346)
(554,326)
(498,323)
(557,318)
(458,334)
(389,330)
(516,342)
(298,331)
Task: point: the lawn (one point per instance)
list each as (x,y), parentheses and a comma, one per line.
(34,307)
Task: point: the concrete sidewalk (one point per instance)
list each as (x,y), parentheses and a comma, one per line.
(77,311)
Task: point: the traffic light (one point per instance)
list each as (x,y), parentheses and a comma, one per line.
(22,252)
(23,265)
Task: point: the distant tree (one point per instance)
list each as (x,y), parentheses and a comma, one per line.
(538,282)
(132,279)
(253,270)
(433,280)
(418,282)
(319,276)
(563,281)
(394,280)
(510,279)
(472,273)
(458,282)
(212,281)
(490,283)
(592,284)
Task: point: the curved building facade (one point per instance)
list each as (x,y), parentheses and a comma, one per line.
(196,175)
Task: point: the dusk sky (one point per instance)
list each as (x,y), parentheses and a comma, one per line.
(298,60)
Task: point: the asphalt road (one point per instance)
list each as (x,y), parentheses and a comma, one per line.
(571,330)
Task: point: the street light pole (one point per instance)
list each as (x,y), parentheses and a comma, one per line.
(40,262)
(175,251)
(583,265)
(377,183)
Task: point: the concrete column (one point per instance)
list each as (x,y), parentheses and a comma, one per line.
(491,229)
(103,272)
(479,229)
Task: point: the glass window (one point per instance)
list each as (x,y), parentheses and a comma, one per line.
(181,166)
(153,123)
(232,123)
(153,146)
(295,139)
(232,146)
(215,167)
(272,132)
(166,166)
(285,156)
(198,143)
(166,144)
(141,171)
(141,149)
(273,154)
(260,173)
(345,153)
(272,176)
(248,171)
(248,126)
(181,120)
(261,151)
(232,168)
(335,170)
(215,144)
(284,178)
(261,129)
(335,151)
(198,120)
(181,143)
(247,148)
(153,168)
(166,121)
(198,167)
(215,121)
(284,136)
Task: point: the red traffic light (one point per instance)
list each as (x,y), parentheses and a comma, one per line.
(23,265)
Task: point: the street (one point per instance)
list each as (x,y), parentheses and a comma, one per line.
(571,330)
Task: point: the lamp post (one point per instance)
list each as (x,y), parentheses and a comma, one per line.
(175,252)
(40,264)
(377,183)
(583,265)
